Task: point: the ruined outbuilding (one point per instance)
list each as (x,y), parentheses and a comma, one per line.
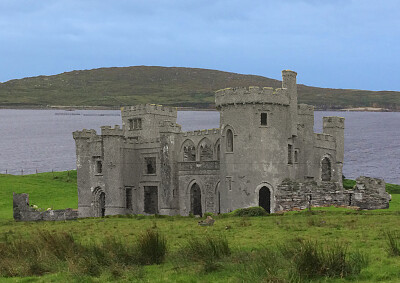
(265,138)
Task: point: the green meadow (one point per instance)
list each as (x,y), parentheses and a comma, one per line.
(324,245)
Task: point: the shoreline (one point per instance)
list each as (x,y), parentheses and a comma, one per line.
(181,108)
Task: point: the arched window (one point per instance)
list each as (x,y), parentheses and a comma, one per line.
(326,172)
(229,140)
(218,151)
(188,151)
(205,150)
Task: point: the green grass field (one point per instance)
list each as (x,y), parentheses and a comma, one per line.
(260,248)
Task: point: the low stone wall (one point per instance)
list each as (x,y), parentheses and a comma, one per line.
(23,212)
(300,195)
(368,193)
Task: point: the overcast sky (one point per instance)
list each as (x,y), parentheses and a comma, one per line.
(330,43)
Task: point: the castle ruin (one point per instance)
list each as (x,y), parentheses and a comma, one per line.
(265,153)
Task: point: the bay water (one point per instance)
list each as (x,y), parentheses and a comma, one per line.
(41,140)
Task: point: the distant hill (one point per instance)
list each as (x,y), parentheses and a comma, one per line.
(191,87)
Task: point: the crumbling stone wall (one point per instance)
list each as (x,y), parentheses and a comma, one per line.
(23,212)
(292,194)
(368,193)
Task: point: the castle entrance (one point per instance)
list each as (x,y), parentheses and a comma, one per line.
(151,199)
(195,200)
(102,204)
(264,198)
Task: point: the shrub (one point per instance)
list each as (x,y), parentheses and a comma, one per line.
(207,248)
(312,259)
(392,243)
(152,247)
(250,211)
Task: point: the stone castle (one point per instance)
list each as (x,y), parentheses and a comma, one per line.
(265,153)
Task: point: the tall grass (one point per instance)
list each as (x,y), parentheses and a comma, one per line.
(312,259)
(207,248)
(392,243)
(152,247)
(46,252)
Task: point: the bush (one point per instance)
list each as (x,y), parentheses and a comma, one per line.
(152,247)
(312,259)
(250,211)
(207,248)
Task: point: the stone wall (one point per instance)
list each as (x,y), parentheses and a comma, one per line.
(291,195)
(368,193)
(23,212)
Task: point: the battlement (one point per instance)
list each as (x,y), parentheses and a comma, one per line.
(324,137)
(139,110)
(84,134)
(168,126)
(152,141)
(109,131)
(325,141)
(202,132)
(305,109)
(333,122)
(251,95)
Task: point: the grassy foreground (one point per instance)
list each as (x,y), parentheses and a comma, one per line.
(327,245)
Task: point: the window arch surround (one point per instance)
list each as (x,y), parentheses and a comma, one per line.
(188,151)
(99,202)
(229,136)
(326,168)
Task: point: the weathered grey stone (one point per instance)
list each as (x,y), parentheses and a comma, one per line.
(264,153)
(23,212)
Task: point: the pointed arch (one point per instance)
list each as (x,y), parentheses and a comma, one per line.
(99,202)
(205,150)
(188,151)
(228,134)
(326,168)
(217,150)
(265,197)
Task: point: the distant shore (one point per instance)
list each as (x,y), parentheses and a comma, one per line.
(73,108)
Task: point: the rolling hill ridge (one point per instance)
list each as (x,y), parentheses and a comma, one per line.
(177,86)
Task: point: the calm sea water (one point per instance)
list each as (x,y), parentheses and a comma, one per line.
(42,139)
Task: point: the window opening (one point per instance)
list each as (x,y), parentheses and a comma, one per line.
(290,154)
(99,167)
(229,141)
(150,165)
(264,119)
(326,173)
(128,194)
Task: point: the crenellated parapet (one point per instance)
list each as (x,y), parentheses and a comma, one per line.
(333,122)
(151,141)
(141,109)
(84,134)
(169,127)
(109,131)
(208,132)
(251,95)
(325,141)
(305,109)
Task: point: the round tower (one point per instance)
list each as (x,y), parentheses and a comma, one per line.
(256,145)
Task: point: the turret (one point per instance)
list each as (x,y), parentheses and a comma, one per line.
(334,126)
(143,120)
(289,82)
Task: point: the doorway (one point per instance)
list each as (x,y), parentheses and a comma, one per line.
(264,198)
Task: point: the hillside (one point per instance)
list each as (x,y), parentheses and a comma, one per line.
(114,87)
